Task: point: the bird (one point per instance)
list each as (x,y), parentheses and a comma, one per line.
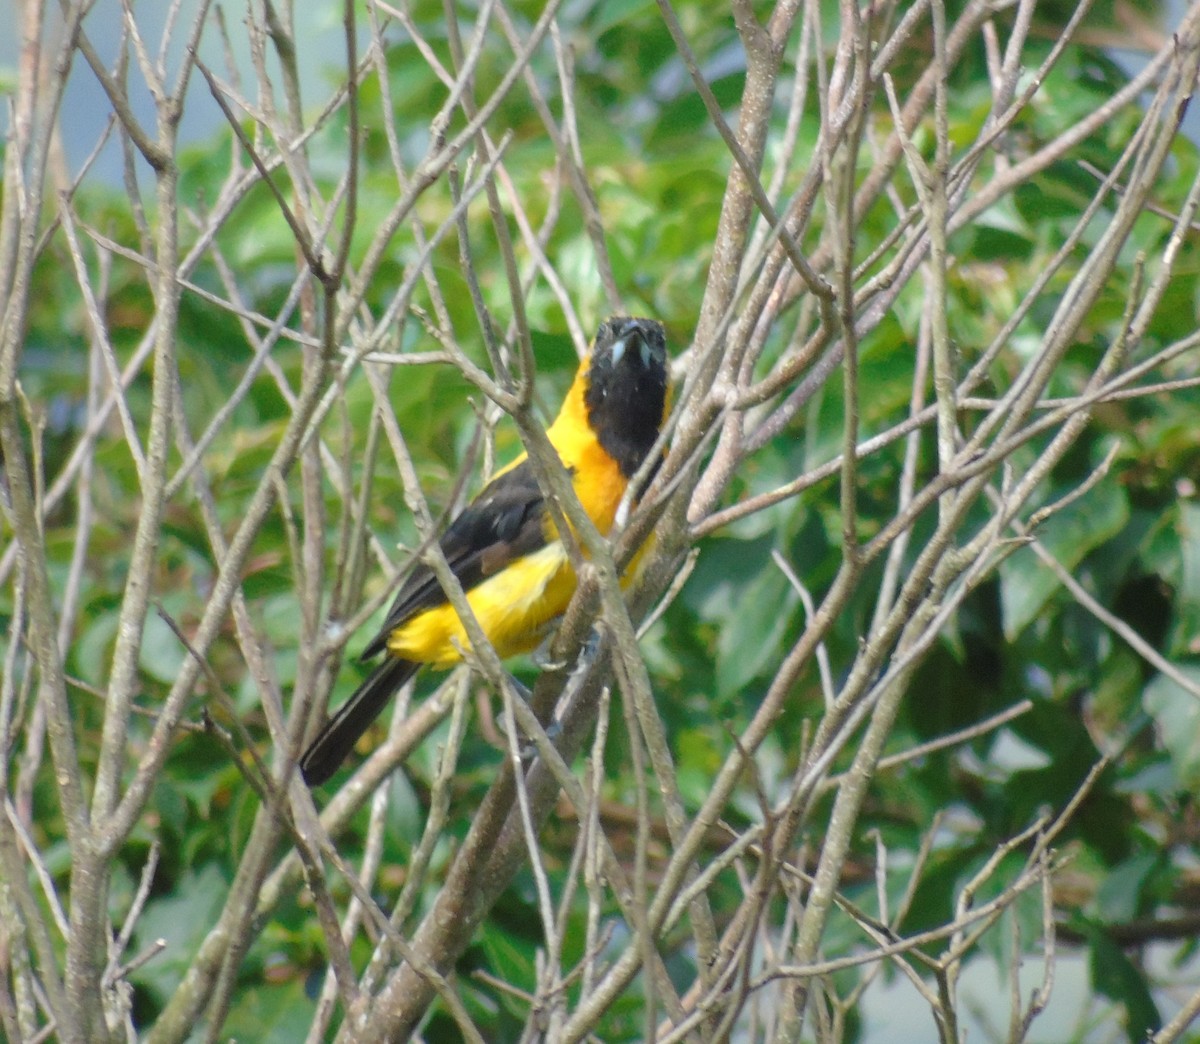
(503,547)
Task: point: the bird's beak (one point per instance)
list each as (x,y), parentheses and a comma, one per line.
(633,334)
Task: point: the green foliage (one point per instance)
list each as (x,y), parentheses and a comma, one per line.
(658,170)
(1117,977)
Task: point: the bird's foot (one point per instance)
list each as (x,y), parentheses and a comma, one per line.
(529,749)
(545,662)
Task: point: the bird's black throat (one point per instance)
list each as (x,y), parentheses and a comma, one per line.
(625,398)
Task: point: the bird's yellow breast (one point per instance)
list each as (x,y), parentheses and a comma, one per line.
(597,478)
(516,606)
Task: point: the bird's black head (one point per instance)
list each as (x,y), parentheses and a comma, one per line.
(627,388)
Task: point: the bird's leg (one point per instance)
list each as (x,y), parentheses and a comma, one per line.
(588,652)
(541,656)
(543,662)
(519,687)
(529,748)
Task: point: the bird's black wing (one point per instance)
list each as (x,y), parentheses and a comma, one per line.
(503,523)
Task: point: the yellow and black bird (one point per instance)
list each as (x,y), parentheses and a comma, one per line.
(503,547)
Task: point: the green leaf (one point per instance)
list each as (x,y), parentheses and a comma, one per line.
(181,919)
(751,636)
(276,1013)
(615,13)
(1121,890)
(1189,543)
(1117,977)
(1177,714)
(1026,585)
(510,960)
(739,588)
(162,652)
(404,810)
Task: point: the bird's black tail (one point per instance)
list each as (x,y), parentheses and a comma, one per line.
(326,753)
